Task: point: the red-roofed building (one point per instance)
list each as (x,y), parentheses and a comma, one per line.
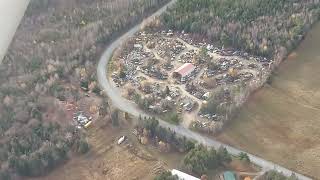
(184,71)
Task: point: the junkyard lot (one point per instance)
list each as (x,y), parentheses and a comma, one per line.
(175,49)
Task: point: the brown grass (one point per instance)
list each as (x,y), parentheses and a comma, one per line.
(281,122)
(106,160)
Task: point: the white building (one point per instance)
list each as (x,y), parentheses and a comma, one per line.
(182,175)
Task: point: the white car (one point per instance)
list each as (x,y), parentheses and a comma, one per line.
(121,140)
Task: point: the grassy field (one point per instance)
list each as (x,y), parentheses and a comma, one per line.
(281,122)
(107,160)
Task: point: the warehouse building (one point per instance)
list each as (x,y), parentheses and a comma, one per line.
(184,71)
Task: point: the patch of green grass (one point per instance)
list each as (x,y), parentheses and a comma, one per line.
(34,64)
(172,117)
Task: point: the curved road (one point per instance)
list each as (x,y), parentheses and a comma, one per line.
(127,106)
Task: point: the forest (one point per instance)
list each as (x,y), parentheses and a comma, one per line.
(274,175)
(52,60)
(261,27)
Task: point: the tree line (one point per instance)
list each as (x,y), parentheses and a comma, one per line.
(199,159)
(274,175)
(260,27)
(182,144)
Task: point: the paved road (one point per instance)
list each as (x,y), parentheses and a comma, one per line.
(127,106)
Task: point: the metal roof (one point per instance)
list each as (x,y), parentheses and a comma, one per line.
(228,175)
(182,175)
(185,69)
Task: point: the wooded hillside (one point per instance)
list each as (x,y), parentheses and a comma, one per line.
(257,26)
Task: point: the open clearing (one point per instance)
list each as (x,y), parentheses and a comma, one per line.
(281,122)
(108,161)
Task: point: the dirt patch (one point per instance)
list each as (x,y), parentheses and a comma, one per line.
(240,166)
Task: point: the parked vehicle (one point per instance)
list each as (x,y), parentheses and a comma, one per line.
(121,140)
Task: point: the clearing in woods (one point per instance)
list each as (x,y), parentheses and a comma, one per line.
(107,160)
